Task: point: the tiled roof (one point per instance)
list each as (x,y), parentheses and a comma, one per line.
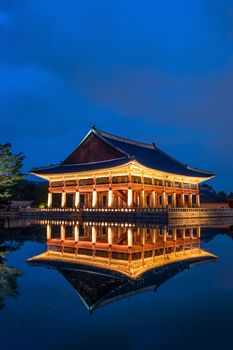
(151,156)
(146,154)
(62,169)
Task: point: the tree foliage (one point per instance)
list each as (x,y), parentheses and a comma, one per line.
(10,166)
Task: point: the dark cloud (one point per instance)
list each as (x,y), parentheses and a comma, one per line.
(168,65)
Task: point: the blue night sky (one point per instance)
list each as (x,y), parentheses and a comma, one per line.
(154,70)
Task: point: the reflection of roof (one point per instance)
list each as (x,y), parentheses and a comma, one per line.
(146,154)
(98,287)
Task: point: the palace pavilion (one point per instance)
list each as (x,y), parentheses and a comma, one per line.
(108,171)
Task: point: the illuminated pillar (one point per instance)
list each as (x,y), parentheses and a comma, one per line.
(164,200)
(110,198)
(190,200)
(130,198)
(93,234)
(77,199)
(110,234)
(182,200)
(197,200)
(199,232)
(94,199)
(76,233)
(154,199)
(142,199)
(130,236)
(50,200)
(173,200)
(63,199)
(49,232)
(63,232)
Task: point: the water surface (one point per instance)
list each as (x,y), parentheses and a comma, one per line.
(192,306)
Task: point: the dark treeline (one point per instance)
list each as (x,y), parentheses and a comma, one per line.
(31,190)
(222,194)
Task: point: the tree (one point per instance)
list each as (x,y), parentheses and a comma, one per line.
(10,166)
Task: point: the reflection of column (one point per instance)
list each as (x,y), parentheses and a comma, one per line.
(94,198)
(164,234)
(63,199)
(49,232)
(130,236)
(110,198)
(63,232)
(93,234)
(191,233)
(130,198)
(174,234)
(119,231)
(174,200)
(154,235)
(197,200)
(77,199)
(110,234)
(50,200)
(143,237)
(183,233)
(76,233)
(190,200)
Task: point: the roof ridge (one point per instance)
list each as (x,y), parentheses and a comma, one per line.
(124,139)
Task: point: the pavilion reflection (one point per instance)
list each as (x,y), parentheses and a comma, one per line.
(107,261)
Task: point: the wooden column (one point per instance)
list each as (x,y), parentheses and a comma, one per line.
(198,200)
(199,232)
(164,199)
(130,198)
(110,198)
(63,199)
(94,199)
(50,199)
(77,199)
(142,199)
(154,199)
(190,200)
(174,200)
(182,200)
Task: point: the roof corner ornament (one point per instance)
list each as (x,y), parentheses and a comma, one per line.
(153,144)
(93,127)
